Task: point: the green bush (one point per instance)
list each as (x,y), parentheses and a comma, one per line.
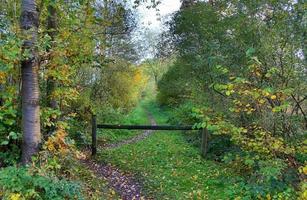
(20,183)
(79,132)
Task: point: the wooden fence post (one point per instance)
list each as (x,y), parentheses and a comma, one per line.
(204,141)
(94,135)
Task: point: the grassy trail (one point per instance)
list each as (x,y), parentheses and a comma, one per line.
(111,137)
(124,185)
(170,167)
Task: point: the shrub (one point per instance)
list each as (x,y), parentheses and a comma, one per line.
(20,183)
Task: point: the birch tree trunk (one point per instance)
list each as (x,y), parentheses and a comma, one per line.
(30,90)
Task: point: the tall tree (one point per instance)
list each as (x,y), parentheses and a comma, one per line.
(52,29)
(29,23)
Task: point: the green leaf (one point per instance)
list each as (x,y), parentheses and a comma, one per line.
(5,142)
(250,52)
(13,135)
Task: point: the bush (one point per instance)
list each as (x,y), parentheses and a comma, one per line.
(20,183)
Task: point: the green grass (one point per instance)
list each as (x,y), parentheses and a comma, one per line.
(171,168)
(137,117)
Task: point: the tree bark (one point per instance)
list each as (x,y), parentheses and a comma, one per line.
(204,142)
(52,30)
(30,89)
(187,4)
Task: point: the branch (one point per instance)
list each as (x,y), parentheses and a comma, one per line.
(299,106)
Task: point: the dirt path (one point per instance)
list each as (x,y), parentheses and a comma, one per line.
(136,138)
(126,185)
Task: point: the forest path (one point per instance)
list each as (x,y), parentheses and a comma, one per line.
(125,184)
(135,139)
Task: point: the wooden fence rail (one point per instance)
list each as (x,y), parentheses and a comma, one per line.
(144,127)
(204,132)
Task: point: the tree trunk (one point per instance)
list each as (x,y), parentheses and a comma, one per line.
(30,90)
(187,4)
(156,79)
(204,142)
(52,30)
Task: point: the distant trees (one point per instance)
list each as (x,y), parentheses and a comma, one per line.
(156,67)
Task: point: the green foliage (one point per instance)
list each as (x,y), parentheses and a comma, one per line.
(20,183)
(10,56)
(239,72)
(155,68)
(73,81)
(173,86)
(239,75)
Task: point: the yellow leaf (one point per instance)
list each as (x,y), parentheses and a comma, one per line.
(265,93)
(2,77)
(15,196)
(261,101)
(274,110)
(112,192)
(244,130)
(273,97)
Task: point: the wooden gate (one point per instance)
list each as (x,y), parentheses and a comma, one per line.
(95,126)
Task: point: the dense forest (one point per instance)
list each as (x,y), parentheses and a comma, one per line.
(236,68)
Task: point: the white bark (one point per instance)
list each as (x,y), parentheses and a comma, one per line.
(30,89)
